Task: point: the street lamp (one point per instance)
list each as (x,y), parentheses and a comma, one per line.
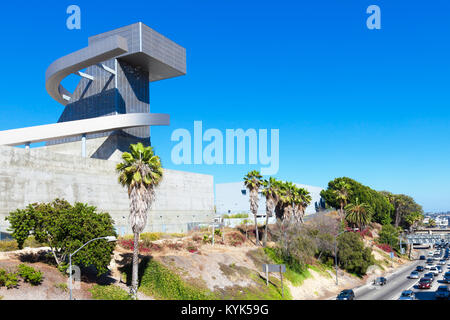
(335,251)
(108,238)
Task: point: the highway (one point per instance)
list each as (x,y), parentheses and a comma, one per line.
(399,281)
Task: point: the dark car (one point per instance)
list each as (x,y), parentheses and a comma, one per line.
(424,283)
(420,268)
(407,295)
(422,258)
(380,281)
(442,293)
(429,275)
(346,295)
(446,278)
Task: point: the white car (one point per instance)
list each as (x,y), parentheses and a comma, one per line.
(414,275)
(427,267)
(434,271)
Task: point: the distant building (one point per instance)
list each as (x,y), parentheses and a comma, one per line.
(442,221)
(233,197)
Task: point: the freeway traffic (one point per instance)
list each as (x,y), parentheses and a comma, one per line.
(405,284)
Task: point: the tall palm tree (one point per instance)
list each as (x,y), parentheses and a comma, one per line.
(302,199)
(359,214)
(253,182)
(140,172)
(271,192)
(342,193)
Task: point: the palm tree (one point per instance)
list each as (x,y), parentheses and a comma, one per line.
(271,192)
(140,172)
(302,199)
(342,193)
(358,214)
(253,182)
(286,193)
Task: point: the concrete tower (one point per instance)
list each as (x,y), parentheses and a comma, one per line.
(117,85)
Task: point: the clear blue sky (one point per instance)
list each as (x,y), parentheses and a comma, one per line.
(369,104)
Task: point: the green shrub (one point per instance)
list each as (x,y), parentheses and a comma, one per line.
(296,273)
(66,228)
(161,282)
(207,238)
(389,235)
(62,286)
(352,255)
(8,279)
(109,292)
(30,275)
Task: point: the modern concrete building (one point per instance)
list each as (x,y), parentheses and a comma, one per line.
(109,109)
(233,198)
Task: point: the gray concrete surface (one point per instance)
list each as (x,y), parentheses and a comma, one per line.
(183,199)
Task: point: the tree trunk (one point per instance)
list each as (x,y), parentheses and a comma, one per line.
(134,278)
(397,217)
(256,231)
(342,211)
(265,230)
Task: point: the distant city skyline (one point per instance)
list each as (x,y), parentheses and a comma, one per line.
(372,105)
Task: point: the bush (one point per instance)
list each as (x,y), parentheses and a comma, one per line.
(352,255)
(109,292)
(65,228)
(8,245)
(30,275)
(235,216)
(191,247)
(8,279)
(381,206)
(389,235)
(161,282)
(235,238)
(207,238)
(151,236)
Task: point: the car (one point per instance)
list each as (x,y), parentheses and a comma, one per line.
(428,266)
(439,268)
(407,295)
(446,278)
(422,258)
(434,271)
(380,281)
(424,283)
(429,275)
(414,275)
(430,261)
(442,262)
(430,253)
(420,268)
(346,295)
(442,293)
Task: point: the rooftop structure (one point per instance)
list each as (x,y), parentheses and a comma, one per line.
(115,70)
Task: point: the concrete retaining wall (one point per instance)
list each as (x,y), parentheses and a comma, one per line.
(183,199)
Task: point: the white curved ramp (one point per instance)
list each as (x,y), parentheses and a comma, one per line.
(16,137)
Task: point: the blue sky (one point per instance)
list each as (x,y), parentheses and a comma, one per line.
(348,101)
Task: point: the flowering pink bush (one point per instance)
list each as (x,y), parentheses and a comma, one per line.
(143,247)
(385,247)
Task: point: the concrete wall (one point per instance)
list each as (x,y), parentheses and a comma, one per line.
(183,199)
(233,197)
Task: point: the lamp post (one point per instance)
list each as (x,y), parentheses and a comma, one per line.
(335,251)
(108,238)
